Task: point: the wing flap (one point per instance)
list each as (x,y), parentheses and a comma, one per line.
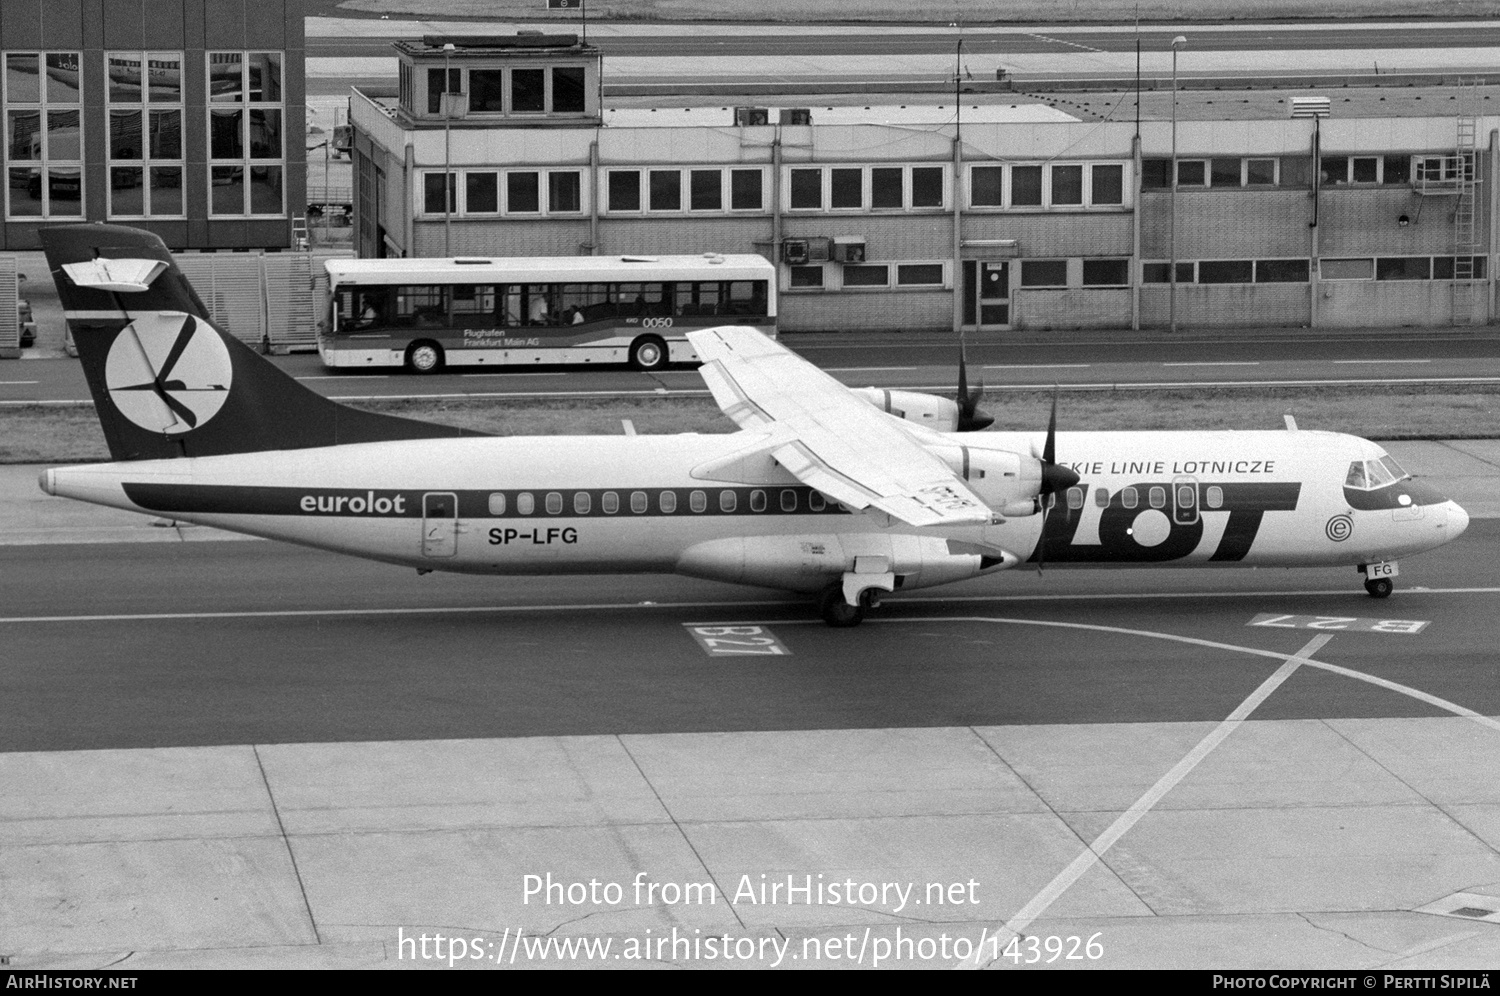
(838,443)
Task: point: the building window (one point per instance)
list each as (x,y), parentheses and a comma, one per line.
(745,190)
(986,186)
(666,190)
(807,189)
(846,188)
(1346,269)
(886,187)
(145,134)
(486,90)
(1226,271)
(1281,271)
(435,87)
(1026,186)
(1192,173)
(1156,174)
(1106,273)
(1067,186)
(1108,184)
(919,274)
(624,190)
(43,135)
(867,275)
(528,91)
(432,193)
(522,193)
(567,90)
(1397,169)
(564,192)
(1404,268)
(926,186)
(1260,172)
(806,276)
(1442,267)
(706,190)
(1160,273)
(247,155)
(1224,172)
(1044,273)
(481,193)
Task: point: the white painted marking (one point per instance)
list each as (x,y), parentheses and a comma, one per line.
(628,425)
(1351,362)
(345,377)
(868,369)
(15,382)
(738,641)
(1036,366)
(1081,864)
(1291,423)
(510,373)
(1225,363)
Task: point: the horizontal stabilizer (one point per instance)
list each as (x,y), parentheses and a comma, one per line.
(122,276)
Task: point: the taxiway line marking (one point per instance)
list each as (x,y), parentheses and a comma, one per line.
(596,606)
(1221,363)
(1380,361)
(1095,851)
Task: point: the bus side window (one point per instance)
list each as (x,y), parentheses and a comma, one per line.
(512,307)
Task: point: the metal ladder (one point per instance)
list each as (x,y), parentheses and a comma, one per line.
(1465,289)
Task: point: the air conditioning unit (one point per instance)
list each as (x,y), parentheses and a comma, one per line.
(849,249)
(745,116)
(819,249)
(796,115)
(794,251)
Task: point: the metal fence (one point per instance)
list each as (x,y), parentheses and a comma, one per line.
(271,300)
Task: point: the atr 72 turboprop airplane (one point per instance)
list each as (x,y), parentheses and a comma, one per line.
(845,494)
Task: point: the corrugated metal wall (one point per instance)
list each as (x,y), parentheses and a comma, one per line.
(271,300)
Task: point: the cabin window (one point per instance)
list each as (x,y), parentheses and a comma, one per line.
(788,500)
(1075,498)
(525,504)
(1187,496)
(497,503)
(1356,475)
(728,501)
(582,502)
(669,501)
(698,501)
(1101,497)
(1214,496)
(757,501)
(638,502)
(554,502)
(1130,498)
(1158,497)
(815,501)
(610,502)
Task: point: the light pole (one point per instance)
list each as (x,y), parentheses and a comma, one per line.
(448,191)
(1178,43)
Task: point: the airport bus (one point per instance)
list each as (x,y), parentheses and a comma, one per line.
(428,314)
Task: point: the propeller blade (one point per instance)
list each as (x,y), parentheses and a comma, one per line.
(1049,451)
(970,417)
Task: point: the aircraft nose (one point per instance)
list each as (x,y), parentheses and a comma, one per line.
(1458,519)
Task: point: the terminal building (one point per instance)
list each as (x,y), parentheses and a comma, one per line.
(922,219)
(184,117)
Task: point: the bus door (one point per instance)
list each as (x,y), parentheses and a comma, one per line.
(1184,500)
(439,524)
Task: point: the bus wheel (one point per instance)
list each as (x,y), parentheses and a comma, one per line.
(424,357)
(648,353)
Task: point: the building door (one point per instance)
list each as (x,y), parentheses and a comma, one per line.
(986,291)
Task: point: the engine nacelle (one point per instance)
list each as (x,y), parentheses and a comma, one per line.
(913,406)
(1008,482)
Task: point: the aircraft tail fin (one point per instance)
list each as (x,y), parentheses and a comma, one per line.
(166,381)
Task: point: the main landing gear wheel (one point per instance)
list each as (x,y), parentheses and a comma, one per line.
(1379,587)
(648,353)
(424,357)
(839,613)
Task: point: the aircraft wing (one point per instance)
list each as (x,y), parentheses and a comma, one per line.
(827,437)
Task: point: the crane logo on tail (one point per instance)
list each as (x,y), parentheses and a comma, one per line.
(168,372)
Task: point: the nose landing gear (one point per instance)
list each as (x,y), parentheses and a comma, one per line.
(1378,578)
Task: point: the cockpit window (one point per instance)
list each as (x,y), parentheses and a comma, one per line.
(1367,475)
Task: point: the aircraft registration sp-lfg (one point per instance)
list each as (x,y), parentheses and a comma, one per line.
(842,494)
